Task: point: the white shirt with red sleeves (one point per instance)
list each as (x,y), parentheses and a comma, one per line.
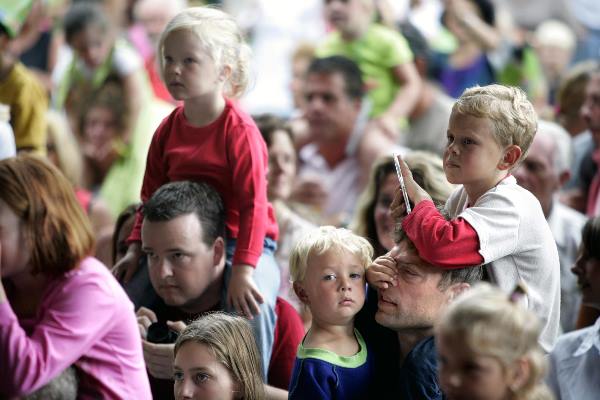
(516,244)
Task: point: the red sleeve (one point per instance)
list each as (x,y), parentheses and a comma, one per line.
(248,153)
(447,244)
(154,177)
(289,332)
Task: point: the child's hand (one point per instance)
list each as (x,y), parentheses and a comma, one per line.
(382,272)
(242,294)
(416,193)
(128,265)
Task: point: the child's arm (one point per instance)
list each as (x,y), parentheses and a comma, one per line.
(448,244)
(248,155)
(382,272)
(134,89)
(406,97)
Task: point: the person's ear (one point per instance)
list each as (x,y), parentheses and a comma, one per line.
(518,374)
(219,252)
(512,154)
(301,293)
(225,73)
(456,289)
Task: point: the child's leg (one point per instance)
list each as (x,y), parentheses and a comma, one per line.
(266,276)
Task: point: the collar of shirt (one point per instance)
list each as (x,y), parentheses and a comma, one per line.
(592,339)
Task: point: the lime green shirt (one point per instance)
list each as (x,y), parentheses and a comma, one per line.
(376,53)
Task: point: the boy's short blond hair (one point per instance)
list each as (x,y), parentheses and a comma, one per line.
(322,239)
(512,115)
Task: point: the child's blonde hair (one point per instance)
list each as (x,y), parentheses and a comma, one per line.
(490,323)
(231,340)
(512,115)
(319,240)
(221,37)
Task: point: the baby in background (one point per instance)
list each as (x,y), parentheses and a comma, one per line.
(493,220)
(488,348)
(327,267)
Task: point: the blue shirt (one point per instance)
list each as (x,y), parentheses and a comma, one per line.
(322,374)
(418,374)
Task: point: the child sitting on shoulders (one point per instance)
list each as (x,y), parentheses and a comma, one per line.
(327,267)
(494,221)
(487,347)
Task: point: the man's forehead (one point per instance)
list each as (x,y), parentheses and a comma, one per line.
(407,256)
(333,81)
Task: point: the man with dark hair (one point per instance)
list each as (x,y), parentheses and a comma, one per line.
(183,239)
(344,144)
(409,306)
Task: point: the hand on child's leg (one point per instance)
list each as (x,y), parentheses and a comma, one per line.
(382,272)
(243,294)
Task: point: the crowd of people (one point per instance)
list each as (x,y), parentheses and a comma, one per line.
(342,199)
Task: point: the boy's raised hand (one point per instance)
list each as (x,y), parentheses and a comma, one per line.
(382,272)
(242,293)
(416,193)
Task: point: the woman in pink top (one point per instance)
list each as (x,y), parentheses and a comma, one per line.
(58,305)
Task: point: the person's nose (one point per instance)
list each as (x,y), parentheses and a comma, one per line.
(185,389)
(165,268)
(577,268)
(345,285)
(454,380)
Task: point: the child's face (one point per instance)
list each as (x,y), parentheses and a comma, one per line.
(189,71)
(92,45)
(199,375)
(472,155)
(334,286)
(345,15)
(464,374)
(587,270)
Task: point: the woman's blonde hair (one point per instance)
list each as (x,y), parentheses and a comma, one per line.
(512,115)
(491,323)
(319,240)
(231,340)
(428,172)
(221,37)
(57,231)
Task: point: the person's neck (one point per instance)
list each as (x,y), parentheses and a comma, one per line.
(407,340)
(547,205)
(202,111)
(209,298)
(475,191)
(355,33)
(7,63)
(423,102)
(338,339)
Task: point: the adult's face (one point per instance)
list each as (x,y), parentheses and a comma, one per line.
(587,270)
(417,300)
(14,251)
(330,112)
(537,173)
(181,266)
(590,110)
(282,166)
(384,223)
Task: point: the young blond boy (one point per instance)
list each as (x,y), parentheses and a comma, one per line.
(327,267)
(494,221)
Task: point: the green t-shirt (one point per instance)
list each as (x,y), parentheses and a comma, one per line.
(376,53)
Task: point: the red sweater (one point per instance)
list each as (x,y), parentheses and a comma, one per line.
(447,244)
(228,154)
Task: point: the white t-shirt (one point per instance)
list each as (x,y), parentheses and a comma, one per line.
(517,245)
